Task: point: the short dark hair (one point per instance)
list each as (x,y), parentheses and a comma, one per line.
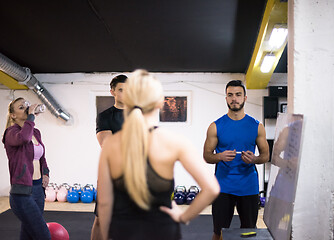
(235,83)
(118,79)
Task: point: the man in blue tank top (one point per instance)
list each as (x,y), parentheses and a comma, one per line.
(230,144)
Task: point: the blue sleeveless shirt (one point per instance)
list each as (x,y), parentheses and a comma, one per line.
(236,177)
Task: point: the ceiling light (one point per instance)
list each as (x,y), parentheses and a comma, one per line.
(278,36)
(267,63)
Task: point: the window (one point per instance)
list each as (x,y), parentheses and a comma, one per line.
(103,103)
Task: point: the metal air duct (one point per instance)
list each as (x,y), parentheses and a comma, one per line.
(24,76)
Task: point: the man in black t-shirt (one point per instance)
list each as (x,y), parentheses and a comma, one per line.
(109,122)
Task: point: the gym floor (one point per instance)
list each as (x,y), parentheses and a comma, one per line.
(84,207)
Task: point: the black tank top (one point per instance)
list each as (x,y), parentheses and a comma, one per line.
(160,189)
(130,222)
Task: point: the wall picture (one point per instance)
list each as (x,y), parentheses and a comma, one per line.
(175,109)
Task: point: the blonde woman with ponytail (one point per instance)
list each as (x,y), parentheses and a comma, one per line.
(136,167)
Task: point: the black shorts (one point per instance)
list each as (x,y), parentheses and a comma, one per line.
(223,210)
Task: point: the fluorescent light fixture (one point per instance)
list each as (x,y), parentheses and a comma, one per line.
(267,63)
(278,36)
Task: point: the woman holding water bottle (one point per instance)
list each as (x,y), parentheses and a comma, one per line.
(29,173)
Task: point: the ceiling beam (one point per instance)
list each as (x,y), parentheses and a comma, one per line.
(275,13)
(10,82)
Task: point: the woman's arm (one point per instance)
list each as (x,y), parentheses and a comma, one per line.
(198,169)
(105,194)
(16,136)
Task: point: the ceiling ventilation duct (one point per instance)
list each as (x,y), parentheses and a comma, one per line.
(24,76)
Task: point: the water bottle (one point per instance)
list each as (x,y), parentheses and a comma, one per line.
(40,108)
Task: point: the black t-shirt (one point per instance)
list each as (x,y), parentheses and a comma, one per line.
(110,119)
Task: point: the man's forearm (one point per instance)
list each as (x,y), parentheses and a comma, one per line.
(262,158)
(211,158)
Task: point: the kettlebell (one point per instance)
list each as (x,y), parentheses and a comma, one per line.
(88,187)
(50,193)
(73,195)
(192,193)
(77,188)
(180,196)
(87,194)
(262,198)
(62,192)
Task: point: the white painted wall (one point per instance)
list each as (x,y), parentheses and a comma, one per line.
(72,151)
(310,82)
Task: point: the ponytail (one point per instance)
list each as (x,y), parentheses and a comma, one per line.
(9,121)
(142,95)
(135,151)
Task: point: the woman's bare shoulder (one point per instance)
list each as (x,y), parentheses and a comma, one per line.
(112,141)
(172,137)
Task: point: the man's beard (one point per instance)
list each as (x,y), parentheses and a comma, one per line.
(236,109)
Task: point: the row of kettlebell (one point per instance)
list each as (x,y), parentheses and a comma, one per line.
(72,194)
(182,196)
(86,194)
(54,192)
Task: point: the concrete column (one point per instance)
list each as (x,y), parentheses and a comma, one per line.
(311,93)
